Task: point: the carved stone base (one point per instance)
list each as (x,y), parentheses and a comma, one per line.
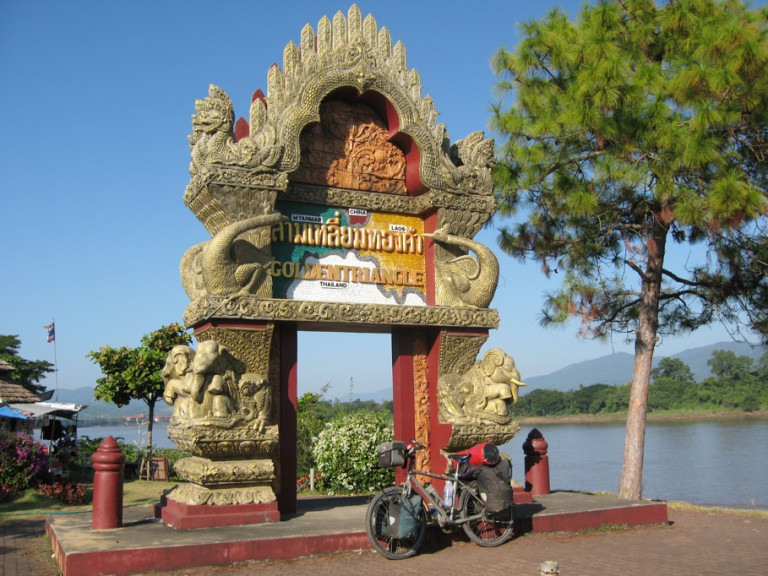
(192,517)
(198,495)
(238,441)
(465,436)
(225,483)
(230,474)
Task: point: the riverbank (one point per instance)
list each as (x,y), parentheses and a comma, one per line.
(651,417)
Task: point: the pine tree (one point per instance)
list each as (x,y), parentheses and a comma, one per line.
(637,126)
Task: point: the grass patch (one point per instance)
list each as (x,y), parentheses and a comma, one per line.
(606,528)
(686,507)
(30,503)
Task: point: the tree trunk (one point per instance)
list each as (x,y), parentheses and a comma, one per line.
(631,480)
(151,406)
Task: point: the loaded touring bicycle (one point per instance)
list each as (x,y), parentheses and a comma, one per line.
(477,498)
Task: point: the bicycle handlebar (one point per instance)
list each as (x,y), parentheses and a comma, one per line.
(416,446)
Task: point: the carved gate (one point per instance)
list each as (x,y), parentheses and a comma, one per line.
(339,205)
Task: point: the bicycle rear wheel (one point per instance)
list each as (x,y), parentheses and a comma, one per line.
(484,529)
(381,524)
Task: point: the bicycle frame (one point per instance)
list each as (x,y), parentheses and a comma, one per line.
(412,484)
(395,540)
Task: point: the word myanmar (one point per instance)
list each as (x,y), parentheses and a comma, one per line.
(341,273)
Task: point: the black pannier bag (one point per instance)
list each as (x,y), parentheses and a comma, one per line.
(391,454)
(493,483)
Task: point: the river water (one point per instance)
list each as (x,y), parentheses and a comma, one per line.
(714,462)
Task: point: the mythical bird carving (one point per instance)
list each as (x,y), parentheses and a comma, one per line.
(465,280)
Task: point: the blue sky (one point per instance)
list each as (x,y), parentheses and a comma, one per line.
(97,99)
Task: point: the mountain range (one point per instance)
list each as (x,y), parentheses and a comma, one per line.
(613,369)
(616,369)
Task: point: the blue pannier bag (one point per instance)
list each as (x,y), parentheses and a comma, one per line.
(404,517)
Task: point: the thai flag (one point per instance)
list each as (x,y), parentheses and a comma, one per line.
(51,332)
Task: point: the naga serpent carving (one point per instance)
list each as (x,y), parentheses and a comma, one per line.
(227,265)
(465,280)
(213,141)
(471,160)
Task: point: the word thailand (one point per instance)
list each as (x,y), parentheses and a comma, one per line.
(341,273)
(398,239)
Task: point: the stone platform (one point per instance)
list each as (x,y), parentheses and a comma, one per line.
(321,526)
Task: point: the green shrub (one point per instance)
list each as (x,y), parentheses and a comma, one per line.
(173,455)
(87,446)
(345,452)
(22,463)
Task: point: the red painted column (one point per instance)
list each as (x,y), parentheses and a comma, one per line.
(536,464)
(108,463)
(440,433)
(402,389)
(289,402)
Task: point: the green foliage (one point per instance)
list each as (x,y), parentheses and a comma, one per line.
(23,462)
(540,402)
(672,387)
(173,455)
(345,452)
(137,373)
(87,446)
(637,124)
(736,385)
(675,369)
(724,364)
(314,412)
(26,373)
(595,399)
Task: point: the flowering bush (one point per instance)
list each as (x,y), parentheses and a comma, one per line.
(67,492)
(22,462)
(345,452)
(6,492)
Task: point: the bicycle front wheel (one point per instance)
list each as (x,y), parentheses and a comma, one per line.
(395,531)
(483,528)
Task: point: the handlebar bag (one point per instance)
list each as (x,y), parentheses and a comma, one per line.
(391,454)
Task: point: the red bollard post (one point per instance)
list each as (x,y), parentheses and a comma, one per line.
(108,463)
(536,464)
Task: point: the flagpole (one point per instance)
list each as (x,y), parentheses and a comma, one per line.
(55,361)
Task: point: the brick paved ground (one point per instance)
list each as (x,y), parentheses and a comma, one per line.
(24,549)
(695,542)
